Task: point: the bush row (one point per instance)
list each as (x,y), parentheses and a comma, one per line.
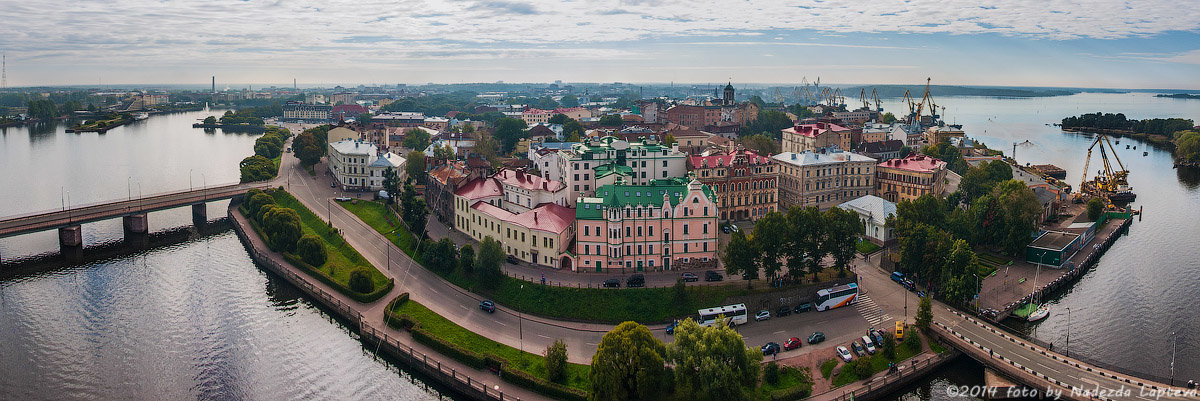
(791,394)
(320,275)
(552,390)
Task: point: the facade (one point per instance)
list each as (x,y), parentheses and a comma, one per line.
(385,161)
(663,225)
(575,113)
(498,207)
(936,134)
(882,150)
(855,116)
(343,98)
(810,137)
(908,178)
(536,116)
(601,161)
(357,166)
(873,212)
(824,178)
(724,111)
(440,186)
(309,113)
(402,119)
(440,124)
(745,183)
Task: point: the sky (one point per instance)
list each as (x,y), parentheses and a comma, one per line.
(1091,43)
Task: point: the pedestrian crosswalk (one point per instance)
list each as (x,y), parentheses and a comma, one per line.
(870,311)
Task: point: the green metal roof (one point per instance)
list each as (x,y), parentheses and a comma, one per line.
(619,195)
(613,168)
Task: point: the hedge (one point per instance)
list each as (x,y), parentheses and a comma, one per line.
(466,356)
(552,390)
(320,275)
(791,394)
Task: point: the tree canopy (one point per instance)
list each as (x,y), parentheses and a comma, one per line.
(629,364)
(760,143)
(508,132)
(416,139)
(712,362)
(769,123)
(610,120)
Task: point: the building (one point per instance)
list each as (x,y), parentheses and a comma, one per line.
(873,212)
(810,137)
(745,183)
(648,109)
(509,207)
(824,178)
(344,112)
(882,150)
(314,98)
(856,116)
(876,132)
(575,113)
(547,159)
(442,181)
(663,225)
(440,124)
(936,134)
(306,113)
(719,112)
(343,98)
(338,134)
(690,140)
(357,166)
(908,178)
(601,161)
(536,116)
(402,119)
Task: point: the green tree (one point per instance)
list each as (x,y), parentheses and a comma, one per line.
(960,281)
(1187,146)
(444,152)
(487,264)
(559,119)
(771,373)
(487,146)
(282,226)
(842,231)
(610,120)
(889,346)
(416,139)
(1094,207)
(364,119)
(414,166)
(210,120)
(905,151)
(307,149)
(769,123)
(256,168)
(1020,209)
(440,256)
(545,103)
(556,361)
(669,140)
(414,211)
(256,200)
(913,342)
(466,260)
(809,238)
(712,362)
(629,364)
(760,143)
(770,240)
(569,101)
(888,118)
(741,256)
(361,282)
(311,250)
(924,313)
(573,131)
(508,132)
(391,184)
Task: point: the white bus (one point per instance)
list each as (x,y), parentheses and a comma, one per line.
(734,315)
(841,295)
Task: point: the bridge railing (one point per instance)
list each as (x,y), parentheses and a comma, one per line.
(150,197)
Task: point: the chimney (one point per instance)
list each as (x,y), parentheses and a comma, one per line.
(535,216)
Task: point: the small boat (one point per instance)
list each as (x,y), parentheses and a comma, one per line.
(1126,146)
(1145,153)
(141,116)
(1039,314)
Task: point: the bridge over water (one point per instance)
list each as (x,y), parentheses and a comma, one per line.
(132,210)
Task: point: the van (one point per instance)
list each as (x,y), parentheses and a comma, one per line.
(636,280)
(899,330)
(898,277)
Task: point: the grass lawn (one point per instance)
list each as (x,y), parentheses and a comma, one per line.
(938,348)
(789,377)
(342,258)
(378,217)
(827,367)
(865,247)
(878,364)
(534,364)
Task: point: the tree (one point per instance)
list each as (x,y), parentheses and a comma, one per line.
(888,118)
(441,256)
(769,123)
(560,118)
(487,264)
(573,130)
(508,132)
(924,313)
(610,120)
(307,149)
(416,139)
(413,210)
(960,274)
(361,282)
(913,342)
(487,146)
(629,364)
(545,103)
(770,238)
(1019,210)
(444,152)
(256,200)
(256,168)
(311,250)
(391,184)
(466,260)
(712,362)
(364,119)
(771,373)
(210,120)
(842,231)
(669,139)
(760,143)
(569,101)
(905,151)
(1187,146)
(282,226)
(741,256)
(812,241)
(1094,207)
(414,166)
(556,361)
(889,346)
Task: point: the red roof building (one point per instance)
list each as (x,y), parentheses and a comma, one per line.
(744,181)
(525,212)
(908,178)
(810,137)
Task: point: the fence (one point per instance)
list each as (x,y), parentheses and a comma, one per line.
(884,385)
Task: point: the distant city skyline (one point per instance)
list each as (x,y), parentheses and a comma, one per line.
(1143,44)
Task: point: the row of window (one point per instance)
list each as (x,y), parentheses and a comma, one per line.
(755,199)
(906,178)
(744,186)
(615,251)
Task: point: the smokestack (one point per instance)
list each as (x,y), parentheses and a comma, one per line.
(294,87)
(214,84)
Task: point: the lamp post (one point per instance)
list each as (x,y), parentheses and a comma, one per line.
(189,180)
(521,334)
(1067,351)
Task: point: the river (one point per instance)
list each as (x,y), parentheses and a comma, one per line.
(193,318)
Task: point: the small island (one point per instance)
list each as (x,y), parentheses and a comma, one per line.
(1179,96)
(1178,134)
(102,124)
(244,120)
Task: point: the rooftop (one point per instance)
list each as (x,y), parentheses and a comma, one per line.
(546,217)
(917,163)
(528,181)
(878,208)
(353,147)
(810,158)
(448,172)
(1054,240)
(619,195)
(812,130)
(480,188)
(725,158)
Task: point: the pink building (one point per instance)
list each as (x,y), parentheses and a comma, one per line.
(667,224)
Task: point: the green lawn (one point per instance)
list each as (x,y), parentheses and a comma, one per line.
(865,247)
(534,364)
(878,364)
(827,367)
(342,257)
(789,378)
(376,215)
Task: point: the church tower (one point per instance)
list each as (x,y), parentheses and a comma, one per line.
(728,99)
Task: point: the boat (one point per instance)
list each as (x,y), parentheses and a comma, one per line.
(1145,153)
(1039,314)
(141,116)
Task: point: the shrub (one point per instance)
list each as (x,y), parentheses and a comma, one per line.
(311,250)
(862,368)
(827,367)
(553,390)
(283,228)
(1094,207)
(889,346)
(912,341)
(556,361)
(466,260)
(256,200)
(360,281)
(771,373)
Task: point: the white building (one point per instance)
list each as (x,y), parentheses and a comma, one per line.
(385,161)
(600,161)
(873,212)
(358,166)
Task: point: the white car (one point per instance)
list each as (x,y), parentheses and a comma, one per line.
(844,353)
(762,315)
(870,347)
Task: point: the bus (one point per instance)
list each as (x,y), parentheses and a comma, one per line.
(841,295)
(734,315)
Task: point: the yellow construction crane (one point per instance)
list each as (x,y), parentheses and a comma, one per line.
(1110,184)
(878,105)
(862,94)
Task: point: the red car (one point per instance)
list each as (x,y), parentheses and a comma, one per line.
(792,343)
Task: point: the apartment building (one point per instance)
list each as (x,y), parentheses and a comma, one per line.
(824,178)
(910,177)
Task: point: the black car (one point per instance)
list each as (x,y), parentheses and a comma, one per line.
(712,275)
(801,308)
(612,283)
(671,327)
(816,338)
(770,348)
(513,259)
(783,311)
(636,280)
(487,306)
(690,277)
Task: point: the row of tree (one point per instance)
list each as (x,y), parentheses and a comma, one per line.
(1118,121)
(1187,146)
(261,166)
(799,240)
(310,145)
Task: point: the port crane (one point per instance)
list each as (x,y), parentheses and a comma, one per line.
(875,96)
(1113,185)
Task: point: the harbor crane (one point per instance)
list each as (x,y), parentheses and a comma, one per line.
(878,105)
(1113,185)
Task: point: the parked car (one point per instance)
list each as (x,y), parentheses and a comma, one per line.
(876,336)
(487,306)
(612,283)
(671,327)
(333,184)
(725,229)
(844,353)
(909,284)
(792,343)
(898,277)
(899,330)
(690,277)
(712,275)
(858,348)
(783,311)
(636,280)
(804,307)
(770,348)
(512,259)
(816,337)
(342,199)
(762,315)
(868,345)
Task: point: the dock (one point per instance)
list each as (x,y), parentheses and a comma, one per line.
(1051,170)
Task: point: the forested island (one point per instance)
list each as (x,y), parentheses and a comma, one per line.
(1179,96)
(1177,133)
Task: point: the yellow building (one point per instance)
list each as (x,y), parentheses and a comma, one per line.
(908,178)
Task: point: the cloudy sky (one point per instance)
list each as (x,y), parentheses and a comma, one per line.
(1092,43)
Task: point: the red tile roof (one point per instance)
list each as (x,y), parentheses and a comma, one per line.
(812,130)
(917,163)
(725,158)
(528,181)
(546,217)
(480,188)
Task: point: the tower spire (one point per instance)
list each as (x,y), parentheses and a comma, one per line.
(4,71)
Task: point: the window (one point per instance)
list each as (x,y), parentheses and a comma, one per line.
(706,227)
(685,226)
(664,163)
(627,229)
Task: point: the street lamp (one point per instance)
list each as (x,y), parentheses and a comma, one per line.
(189,180)
(1067,351)
(521,334)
